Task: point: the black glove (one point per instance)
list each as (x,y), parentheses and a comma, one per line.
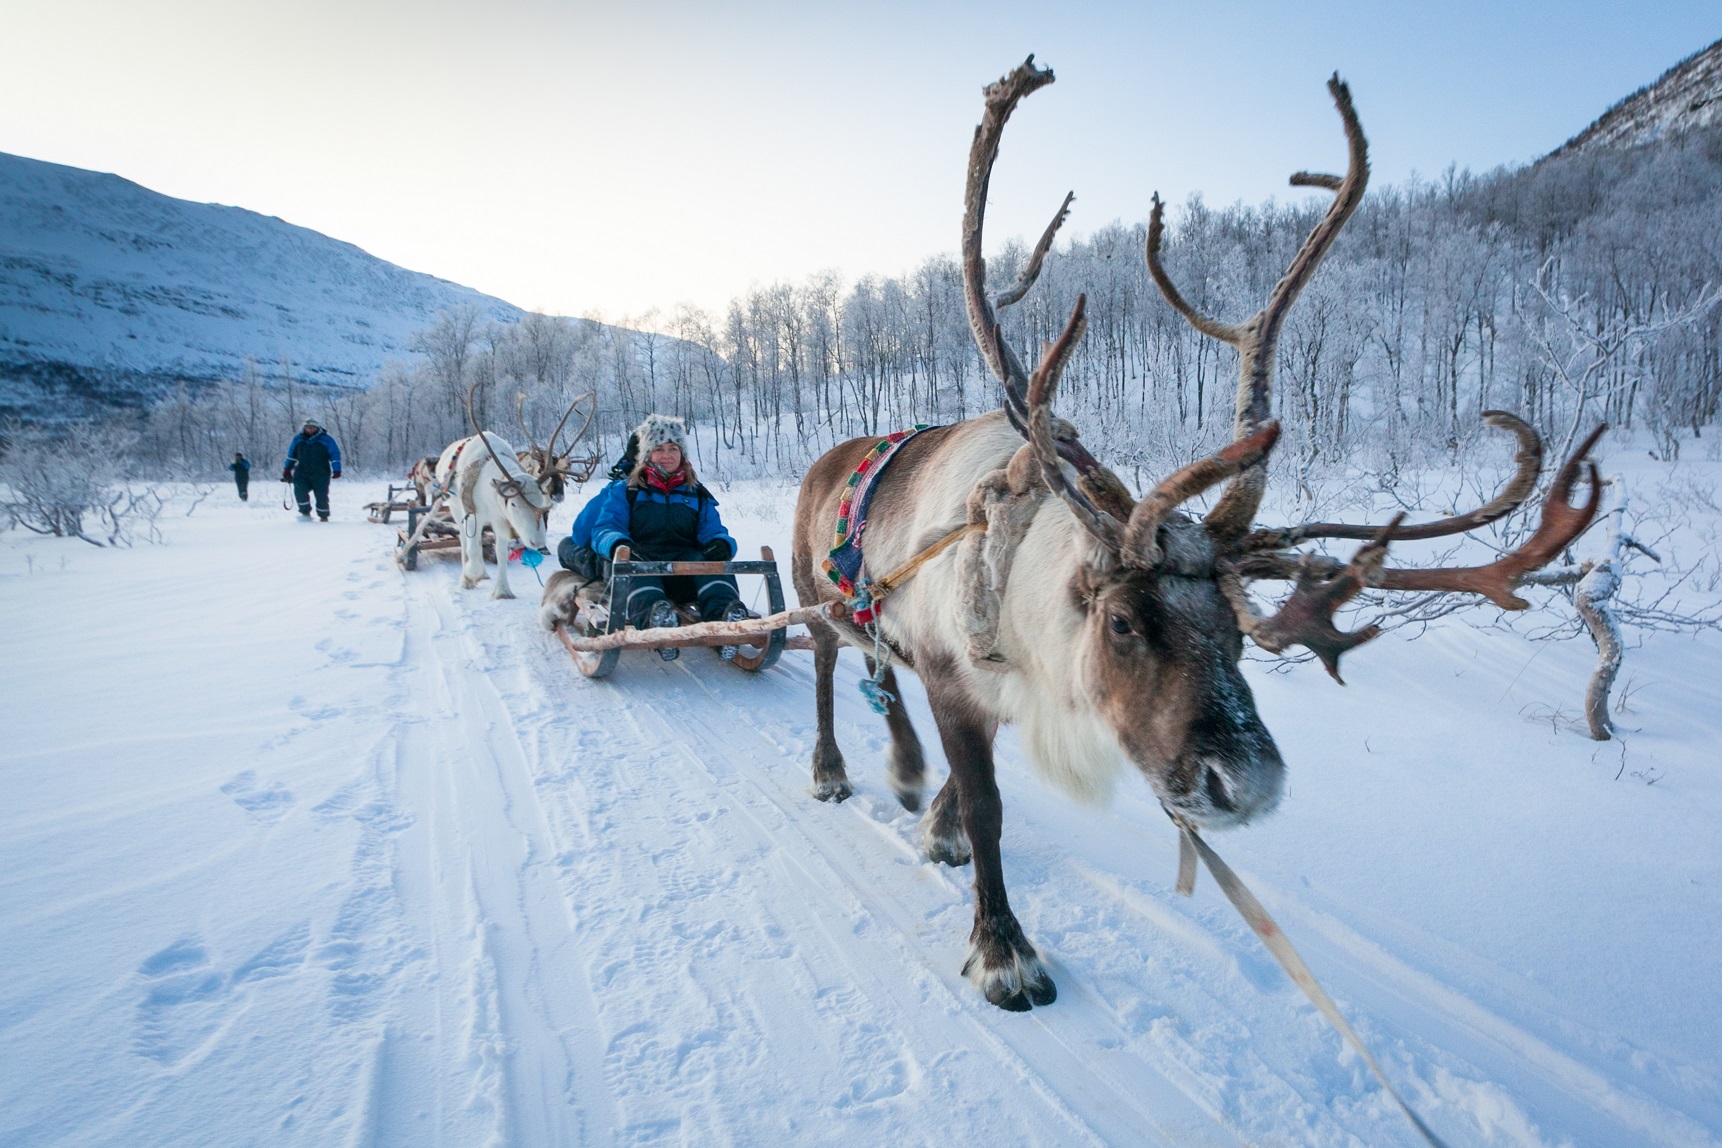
(620,542)
(337,474)
(287,475)
(719,550)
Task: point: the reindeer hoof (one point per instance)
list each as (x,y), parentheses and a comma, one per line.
(469,583)
(909,799)
(839,790)
(947,849)
(503,594)
(1014,981)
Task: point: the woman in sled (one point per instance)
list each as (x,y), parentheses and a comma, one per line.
(662,513)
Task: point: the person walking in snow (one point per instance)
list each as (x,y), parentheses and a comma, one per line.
(241,469)
(662,513)
(312,460)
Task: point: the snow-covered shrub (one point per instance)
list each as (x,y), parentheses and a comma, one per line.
(68,481)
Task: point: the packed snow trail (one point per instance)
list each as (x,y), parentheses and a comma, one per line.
(304,849)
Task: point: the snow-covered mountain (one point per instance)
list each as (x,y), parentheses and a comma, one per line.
(1687,97)
(111,294)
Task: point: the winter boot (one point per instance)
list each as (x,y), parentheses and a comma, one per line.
(736,612)
(664,617)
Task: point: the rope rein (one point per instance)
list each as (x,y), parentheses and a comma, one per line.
(1190,847)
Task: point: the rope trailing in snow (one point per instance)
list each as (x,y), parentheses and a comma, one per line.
(1190,846)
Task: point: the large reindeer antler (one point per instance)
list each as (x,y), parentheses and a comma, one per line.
(1130,529)
(1323,585)
(1257,337)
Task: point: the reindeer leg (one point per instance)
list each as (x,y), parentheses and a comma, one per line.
(942,833)
(1001,962)
(908,766)
(471,553)
(830,778)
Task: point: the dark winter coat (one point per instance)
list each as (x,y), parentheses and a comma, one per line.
(657,526)
(312,456)
(241,471)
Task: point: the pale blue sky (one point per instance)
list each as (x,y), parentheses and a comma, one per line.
(617,157)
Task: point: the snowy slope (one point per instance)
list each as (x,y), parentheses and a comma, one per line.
(110,291)
(301,849)
(1685,98)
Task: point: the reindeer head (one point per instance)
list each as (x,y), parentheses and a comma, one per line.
(553,470)
(1164,598)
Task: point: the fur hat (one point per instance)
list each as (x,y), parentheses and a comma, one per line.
(658,430)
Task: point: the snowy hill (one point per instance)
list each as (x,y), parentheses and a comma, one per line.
(1687,97)
(111,293)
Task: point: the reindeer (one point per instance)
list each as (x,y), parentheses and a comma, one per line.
(1108,628)
(553,470)
(423,477)
(490,492)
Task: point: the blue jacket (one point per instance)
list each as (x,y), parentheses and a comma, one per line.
(609,518)
(312,456)
(582,531)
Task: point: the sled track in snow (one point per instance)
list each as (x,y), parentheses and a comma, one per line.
(661,935)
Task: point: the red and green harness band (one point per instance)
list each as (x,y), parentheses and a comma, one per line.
(844,565)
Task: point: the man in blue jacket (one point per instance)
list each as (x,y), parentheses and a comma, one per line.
(662,513)
(241,468)
(312,460)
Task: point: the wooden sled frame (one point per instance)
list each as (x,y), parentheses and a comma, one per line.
(431,528)
(601,632)
(399,498)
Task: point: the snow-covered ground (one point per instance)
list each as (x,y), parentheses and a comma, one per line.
(297,848)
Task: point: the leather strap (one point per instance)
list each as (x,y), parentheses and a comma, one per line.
(1190,846)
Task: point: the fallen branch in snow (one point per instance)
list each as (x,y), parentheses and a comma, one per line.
(1595,584)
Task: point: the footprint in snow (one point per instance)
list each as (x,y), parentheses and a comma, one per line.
(187,1002)
(266,805)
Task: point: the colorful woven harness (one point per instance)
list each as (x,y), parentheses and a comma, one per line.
(846,565)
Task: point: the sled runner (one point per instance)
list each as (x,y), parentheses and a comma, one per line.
(399,498)
(598,633)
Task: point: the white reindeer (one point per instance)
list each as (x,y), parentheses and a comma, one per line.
(488,487)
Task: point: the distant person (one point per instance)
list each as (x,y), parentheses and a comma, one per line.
(662,513)
(312,460)
(241,469)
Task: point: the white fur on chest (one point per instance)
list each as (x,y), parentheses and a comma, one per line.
(1044,692)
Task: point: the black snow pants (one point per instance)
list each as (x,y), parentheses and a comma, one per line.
(243,482)
(304,486)
(710,593)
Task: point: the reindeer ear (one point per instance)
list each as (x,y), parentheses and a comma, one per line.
(1090,580)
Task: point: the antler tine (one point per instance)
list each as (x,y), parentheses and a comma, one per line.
(467,402)
(1306,617)
(1141,544)
(1225,332)
(1041,389)
(520,417)
(577,401)
(1348,193)
(1529,463)
(1561,523)
(1259,337)
(1031,272)
(1001,99)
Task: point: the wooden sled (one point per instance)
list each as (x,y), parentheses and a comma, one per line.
(432,529)
(599,635)
(400,498)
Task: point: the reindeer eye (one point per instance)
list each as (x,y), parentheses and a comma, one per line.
(1120,624)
